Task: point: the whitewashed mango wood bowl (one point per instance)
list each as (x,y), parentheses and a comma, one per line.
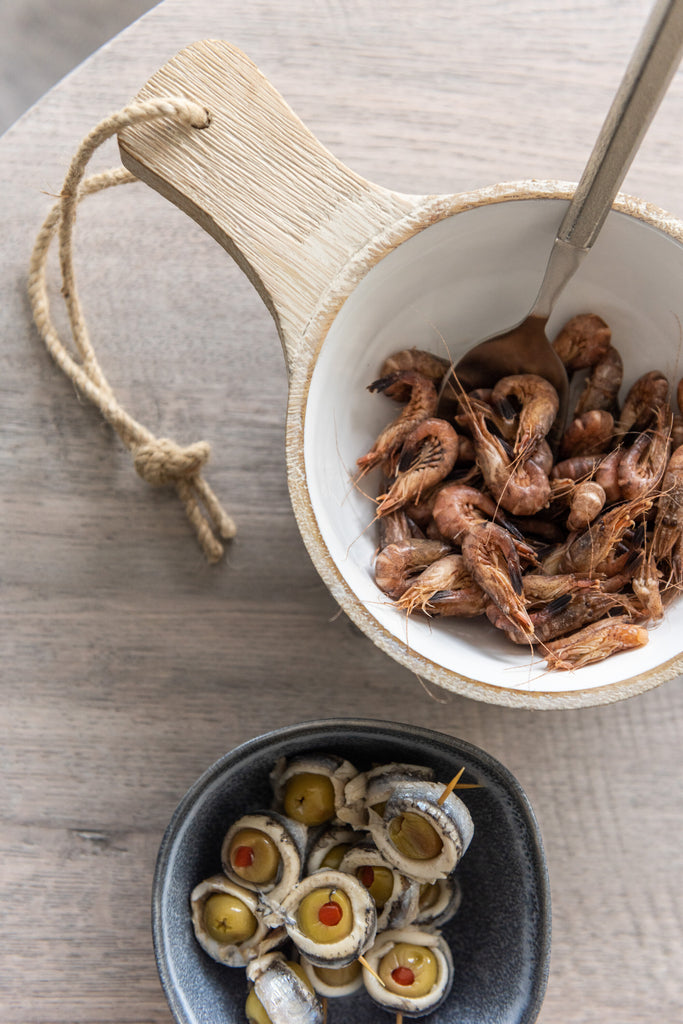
(351,272)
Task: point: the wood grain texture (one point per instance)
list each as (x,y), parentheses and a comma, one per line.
(129,665)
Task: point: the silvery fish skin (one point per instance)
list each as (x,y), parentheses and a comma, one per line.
(337,769)
(451,820)
(228,953)
(364,927)
(283,995)
(289,838)
(420,1005)
(402,906)
(375,787)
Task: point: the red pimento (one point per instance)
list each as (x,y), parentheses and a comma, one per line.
(367,876)
(243,857)
(330,914)
(403,975)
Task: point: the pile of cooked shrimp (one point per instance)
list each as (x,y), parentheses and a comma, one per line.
(576,554)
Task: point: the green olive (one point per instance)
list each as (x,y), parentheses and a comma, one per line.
(335,977)
(254,1009)
(228,919)
(325,915)
(429,894)
(379,881)
(335,855)
(254,856)
(379,808)
(309,798)
(414,837)
(409,970)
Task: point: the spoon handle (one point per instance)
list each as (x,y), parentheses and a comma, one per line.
(642,88)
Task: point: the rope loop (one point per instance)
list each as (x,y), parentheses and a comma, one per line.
(158,461)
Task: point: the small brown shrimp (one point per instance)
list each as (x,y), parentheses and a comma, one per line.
(607,475)
(645,397)
(595,643)
(576,468)
(646,588)
(447,574)
(421,404)
(600,468)
(503,417)
(396,564)
(427,456)
(587,552)
(561,618)
(586,503)
(589,434)
(564,615)
(491,556)
(540,589)
(466,603)
(642,466)
(458,508)
(601,389)
(669,518)
(395,527)
(522,488)
(425,363)
(539,407)
(583,341)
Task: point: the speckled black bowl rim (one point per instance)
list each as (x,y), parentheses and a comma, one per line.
(388,731)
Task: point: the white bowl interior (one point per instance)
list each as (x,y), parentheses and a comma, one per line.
(457,281)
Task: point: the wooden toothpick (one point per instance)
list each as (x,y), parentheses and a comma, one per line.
(455,783)
(366,965)
(451,786)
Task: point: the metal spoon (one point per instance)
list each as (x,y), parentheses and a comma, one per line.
(525,347)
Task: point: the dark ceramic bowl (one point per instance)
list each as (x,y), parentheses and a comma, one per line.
(500,937)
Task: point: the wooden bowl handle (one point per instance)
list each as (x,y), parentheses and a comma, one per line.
(259,182)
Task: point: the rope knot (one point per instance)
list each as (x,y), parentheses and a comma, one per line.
(162,461)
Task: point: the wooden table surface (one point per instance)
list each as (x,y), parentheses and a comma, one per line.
(129,664)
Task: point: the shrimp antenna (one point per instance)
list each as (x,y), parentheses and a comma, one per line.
(423,684)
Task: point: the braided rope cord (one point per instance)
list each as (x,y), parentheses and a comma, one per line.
(159,461)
